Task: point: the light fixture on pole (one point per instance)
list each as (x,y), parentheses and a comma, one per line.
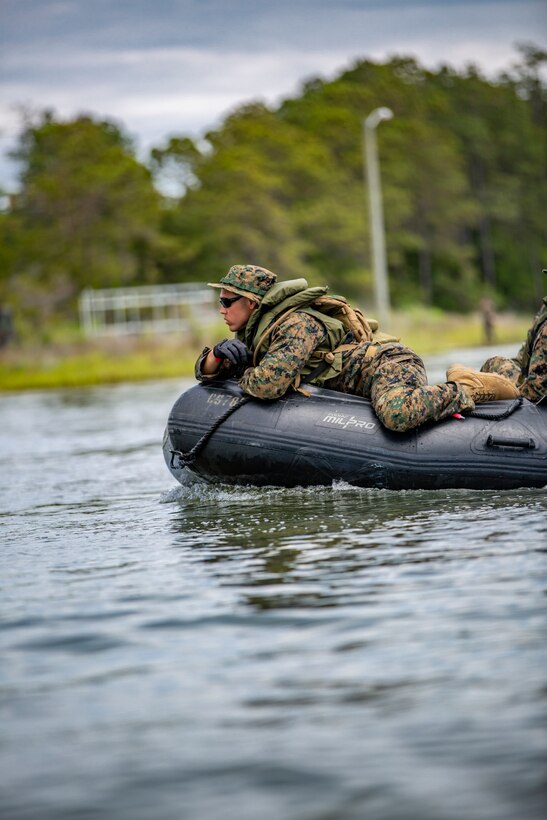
(376,216)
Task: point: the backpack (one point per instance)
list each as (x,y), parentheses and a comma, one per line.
(358,329)
(352,318)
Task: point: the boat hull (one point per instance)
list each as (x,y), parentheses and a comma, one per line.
(330,436)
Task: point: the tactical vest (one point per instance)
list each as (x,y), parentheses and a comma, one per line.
(288,297)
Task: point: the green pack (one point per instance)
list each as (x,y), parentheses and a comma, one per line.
(353,319)
(334,312)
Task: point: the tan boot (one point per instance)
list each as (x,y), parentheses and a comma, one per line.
(482,387)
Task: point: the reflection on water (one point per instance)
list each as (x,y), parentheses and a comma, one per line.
(228,653)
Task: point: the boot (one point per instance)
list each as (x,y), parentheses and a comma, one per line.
(482,387)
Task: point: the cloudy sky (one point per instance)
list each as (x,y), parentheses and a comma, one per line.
(170,66)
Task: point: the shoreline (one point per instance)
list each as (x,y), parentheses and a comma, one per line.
(112,360)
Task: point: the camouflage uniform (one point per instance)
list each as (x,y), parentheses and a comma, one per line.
(291,345)
(528,370)
(394,378)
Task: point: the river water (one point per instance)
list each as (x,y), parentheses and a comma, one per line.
(191,653)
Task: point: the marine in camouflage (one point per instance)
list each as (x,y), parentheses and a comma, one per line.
(291,337)
(528,370)
(394,378)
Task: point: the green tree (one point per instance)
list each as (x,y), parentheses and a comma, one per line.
(86,214)
(427,201)
(259,192)
(502,145)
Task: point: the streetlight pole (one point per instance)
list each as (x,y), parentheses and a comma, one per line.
(381,289)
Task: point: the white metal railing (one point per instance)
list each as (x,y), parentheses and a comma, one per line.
(150,308)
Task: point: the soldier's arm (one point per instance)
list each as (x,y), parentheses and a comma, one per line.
(291,345)
(527,348)
(208,367)
(534,384)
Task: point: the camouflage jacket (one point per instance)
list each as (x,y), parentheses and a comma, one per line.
(288,338)
(525,353)
(292,343)
(532,359)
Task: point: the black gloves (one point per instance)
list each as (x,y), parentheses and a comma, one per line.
(235,351)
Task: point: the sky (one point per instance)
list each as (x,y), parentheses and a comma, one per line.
(163,67)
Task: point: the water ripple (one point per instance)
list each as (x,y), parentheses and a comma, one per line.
(190,652)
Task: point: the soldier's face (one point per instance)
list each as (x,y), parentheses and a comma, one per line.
(237,315)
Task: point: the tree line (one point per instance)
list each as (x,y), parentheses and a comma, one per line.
(464,180)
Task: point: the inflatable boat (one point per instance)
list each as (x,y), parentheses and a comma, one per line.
(218,435)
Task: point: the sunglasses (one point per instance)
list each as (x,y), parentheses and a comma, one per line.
(226,302)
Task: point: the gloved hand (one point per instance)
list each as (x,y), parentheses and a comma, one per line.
(235,351)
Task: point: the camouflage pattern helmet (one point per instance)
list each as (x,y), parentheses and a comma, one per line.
(247,280)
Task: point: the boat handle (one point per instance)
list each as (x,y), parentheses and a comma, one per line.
(522,443)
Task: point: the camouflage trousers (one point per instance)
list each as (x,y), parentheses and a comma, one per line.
(395,381)
(532,380)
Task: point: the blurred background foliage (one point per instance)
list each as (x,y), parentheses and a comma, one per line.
(464,171)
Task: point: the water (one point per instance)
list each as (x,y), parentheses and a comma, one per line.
(230,654)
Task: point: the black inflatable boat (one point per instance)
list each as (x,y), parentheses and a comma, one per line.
(329,436)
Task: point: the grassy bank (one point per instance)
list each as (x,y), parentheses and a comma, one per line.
(70,361)
(91,363)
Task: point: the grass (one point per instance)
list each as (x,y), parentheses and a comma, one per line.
(70,361)
(430,331)
(94,363)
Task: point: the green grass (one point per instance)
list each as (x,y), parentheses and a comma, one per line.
(55,367)
(73,362)
(428,332)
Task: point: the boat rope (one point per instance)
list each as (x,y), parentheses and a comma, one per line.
(188,458)
(476,414)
